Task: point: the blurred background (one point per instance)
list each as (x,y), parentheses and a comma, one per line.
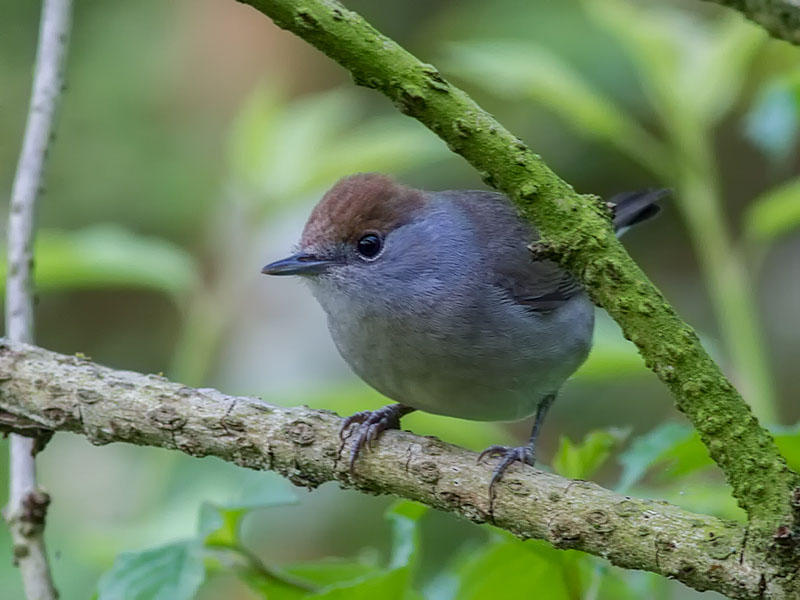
(193,141)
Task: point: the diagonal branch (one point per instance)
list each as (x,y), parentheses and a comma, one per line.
(68,393)
(27,504)
(576,233)
(781,18)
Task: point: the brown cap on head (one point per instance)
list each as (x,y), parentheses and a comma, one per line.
(358,204)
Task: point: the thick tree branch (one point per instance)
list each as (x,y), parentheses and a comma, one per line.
(576,233)
(67,393)
(27,505)
(781,18)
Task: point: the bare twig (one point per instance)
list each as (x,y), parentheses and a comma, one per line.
(68,393)
(27,505)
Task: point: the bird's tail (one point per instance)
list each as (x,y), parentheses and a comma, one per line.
(632,208)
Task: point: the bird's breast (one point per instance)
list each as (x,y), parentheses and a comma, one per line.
(489,360)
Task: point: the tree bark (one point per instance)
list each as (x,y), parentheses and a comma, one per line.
(69,393)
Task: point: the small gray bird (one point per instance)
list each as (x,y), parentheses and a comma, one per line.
(434,299)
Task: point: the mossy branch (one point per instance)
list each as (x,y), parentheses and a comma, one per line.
(576,233)
(781,18)
(43,389)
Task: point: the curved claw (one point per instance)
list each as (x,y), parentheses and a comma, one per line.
(372,424)
(358,417)
(510,454)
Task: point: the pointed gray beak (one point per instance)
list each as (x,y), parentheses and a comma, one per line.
(299,264)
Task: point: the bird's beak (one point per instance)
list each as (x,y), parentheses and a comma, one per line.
(299,264)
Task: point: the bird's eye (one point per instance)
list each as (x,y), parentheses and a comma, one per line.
(369,246)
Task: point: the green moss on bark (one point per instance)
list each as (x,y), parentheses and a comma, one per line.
(576,232)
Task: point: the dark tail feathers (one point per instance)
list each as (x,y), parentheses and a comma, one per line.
(632,208)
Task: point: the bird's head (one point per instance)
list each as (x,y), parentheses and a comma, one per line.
(352,227)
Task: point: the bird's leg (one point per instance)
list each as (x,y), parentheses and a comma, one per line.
(524,454)
(372,423)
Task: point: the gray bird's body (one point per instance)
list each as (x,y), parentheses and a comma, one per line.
(441,323)
(435,300)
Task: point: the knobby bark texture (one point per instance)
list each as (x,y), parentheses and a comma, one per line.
(70,393)
(576,232)
(27,504)
(781,18)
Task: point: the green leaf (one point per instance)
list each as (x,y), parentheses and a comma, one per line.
(388,585)
(219,524)
(332,571)
(775,213)
(719,66)
(524,70)
(518,569)
(647,450)
(395,582)
(692,71)
(788,441)
(390,143)
(282,151)
(405,516)
(580,461)
(109,256)
(171,572)
(653,42)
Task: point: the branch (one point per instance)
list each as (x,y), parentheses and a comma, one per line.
(576,233)
(68,393)
(27,505)
(781,18)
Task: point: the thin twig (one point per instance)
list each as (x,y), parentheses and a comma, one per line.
(27,505)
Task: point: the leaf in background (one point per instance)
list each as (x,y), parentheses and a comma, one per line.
(774,122)
(171,572)
(386,143)
(109,256)
(525,70)
(692,71)
(580,461)
(647,450)
(282,150)
(276,144)
(393,583)
(405,516)
(788,441)
(515,568)
(774,213)
(388,585)
(330,571)
(652,40)
(219,524)
(719,66)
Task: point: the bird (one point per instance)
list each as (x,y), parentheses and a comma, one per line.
(435,300)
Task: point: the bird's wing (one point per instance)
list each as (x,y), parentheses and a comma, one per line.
(539,285)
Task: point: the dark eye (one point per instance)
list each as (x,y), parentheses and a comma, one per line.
(369,246)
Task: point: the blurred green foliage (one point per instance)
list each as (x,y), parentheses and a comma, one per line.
(183,164)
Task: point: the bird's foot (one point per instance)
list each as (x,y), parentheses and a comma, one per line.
(510,454)
(370,425)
